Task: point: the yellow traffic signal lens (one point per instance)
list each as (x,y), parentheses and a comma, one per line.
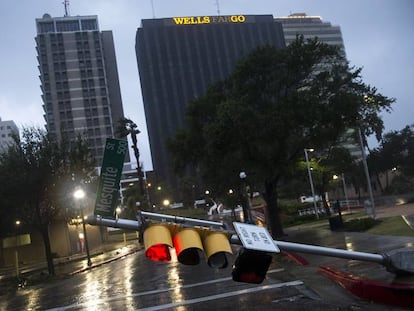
(187,244)
(157,242)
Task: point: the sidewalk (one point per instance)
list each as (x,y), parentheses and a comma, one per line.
(74,264)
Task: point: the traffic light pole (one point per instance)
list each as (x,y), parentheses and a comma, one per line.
(400,261)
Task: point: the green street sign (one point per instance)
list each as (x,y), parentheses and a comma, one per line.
(111,171)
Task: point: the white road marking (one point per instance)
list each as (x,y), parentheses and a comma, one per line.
(157,291)
(220,296)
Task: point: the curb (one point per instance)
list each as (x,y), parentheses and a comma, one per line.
(396,294)
(103,262)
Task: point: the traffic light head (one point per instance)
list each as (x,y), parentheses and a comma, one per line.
(187,245)
(216,245)
(157,242)
(251,266)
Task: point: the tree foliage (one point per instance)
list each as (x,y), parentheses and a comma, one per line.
(38,176)
(275,103)
(395,153)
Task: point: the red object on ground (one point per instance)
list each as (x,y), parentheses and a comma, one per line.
(296,258)
(395,294)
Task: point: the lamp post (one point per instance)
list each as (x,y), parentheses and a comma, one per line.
(310,181)
(246,204)
(364,161)
(345,192)
(79,194)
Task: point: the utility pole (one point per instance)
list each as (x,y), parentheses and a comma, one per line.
(364,161)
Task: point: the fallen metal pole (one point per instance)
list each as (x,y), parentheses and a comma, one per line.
(115,223)
(323,251)
(400,261)
(179,219)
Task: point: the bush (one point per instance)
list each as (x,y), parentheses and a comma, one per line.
(360,224)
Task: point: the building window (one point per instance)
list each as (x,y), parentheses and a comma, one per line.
(89,24)
(46,27)
(67,26)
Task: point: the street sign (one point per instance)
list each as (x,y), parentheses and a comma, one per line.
(255,237)
(111,171)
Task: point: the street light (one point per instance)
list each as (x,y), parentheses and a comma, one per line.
(246,204)
(310,181)
(364,161)
(79,194)
(345,192)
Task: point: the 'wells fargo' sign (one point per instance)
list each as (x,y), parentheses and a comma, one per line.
(196,20)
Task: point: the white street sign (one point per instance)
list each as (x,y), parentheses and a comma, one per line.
(255,237)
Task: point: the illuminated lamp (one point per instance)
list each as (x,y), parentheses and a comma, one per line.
(216,246)
(187,243)
(157,242)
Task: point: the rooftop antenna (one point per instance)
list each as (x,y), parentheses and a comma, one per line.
(66,4)
(218,7)
(153,11)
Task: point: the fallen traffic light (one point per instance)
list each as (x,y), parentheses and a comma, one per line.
(216,245)
(251,266)
(188,244)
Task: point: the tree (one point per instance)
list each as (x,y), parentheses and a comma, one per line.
(396,152)
(329,162)
(38,178)
(275,103)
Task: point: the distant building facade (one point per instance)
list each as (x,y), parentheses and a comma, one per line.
(79,79)
(7,130)
(179,57)
(311,27)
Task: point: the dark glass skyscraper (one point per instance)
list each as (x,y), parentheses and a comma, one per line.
(179,57)
(79,79)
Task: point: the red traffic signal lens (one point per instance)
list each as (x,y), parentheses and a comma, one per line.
(251,266)
(158,252)
(250,277)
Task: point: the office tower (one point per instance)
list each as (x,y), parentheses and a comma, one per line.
(311,27)
(79,79)
(7,130)
(179,57)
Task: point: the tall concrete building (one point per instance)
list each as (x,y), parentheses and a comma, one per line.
(179,57)
(311,27)
(7,130)
(79,79)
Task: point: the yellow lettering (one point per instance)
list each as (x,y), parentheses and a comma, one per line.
(194,20)
(178,20)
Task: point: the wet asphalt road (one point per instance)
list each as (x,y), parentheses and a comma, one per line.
(135,283)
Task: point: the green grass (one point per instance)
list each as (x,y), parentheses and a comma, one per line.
(392,226)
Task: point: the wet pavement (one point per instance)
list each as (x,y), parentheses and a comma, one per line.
(320,234)
(117,281)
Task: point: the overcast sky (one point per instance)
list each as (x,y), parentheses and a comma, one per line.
(378,36)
